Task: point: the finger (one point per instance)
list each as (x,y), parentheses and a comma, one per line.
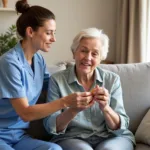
(86,101)
(106,92)
(90,104)
(101,97)
(97,86)
(102,91)
(89,99)
(85,94)
(96,90)
(83,105)
(79,96)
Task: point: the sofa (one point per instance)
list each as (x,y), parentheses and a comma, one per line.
(135,80)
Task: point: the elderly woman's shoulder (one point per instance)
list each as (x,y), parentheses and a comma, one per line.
(107,73)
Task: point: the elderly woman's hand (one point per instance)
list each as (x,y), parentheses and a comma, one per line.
(101,96)
(79,100)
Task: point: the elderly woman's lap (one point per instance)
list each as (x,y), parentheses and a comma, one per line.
(115,143)
(74,144)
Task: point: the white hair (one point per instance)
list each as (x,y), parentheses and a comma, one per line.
(92,33)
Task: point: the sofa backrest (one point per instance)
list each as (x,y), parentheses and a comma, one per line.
(135,80)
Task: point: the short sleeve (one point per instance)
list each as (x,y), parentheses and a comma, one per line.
(11,83)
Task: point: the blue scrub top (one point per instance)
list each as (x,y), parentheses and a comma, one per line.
(18,80)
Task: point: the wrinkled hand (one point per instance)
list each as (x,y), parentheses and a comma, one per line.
(101,95)
(79,100)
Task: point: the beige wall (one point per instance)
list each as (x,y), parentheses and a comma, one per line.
(71,17)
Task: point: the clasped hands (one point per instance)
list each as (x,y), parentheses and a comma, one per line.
(83,100)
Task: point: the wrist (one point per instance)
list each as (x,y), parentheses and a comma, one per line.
(64,102)
(74,110)
(106,109)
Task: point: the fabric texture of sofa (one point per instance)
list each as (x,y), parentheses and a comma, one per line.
(135,80)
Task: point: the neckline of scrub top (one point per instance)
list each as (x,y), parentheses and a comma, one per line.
(23,60)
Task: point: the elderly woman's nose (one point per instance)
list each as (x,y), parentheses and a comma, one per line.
(88,56)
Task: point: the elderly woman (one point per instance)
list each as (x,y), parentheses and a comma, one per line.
(103,123)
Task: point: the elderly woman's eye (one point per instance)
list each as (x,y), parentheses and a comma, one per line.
(95,54)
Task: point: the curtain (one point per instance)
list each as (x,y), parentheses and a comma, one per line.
(133,32)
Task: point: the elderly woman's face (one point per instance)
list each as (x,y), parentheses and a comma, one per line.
(87,55)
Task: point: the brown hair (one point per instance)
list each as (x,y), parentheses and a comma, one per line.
(33,16)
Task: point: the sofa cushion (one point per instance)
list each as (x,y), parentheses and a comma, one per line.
(143,132)
(140,146)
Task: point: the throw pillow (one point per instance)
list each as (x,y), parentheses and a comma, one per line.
(143,132)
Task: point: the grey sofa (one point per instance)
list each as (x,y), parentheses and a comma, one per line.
(135,80)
